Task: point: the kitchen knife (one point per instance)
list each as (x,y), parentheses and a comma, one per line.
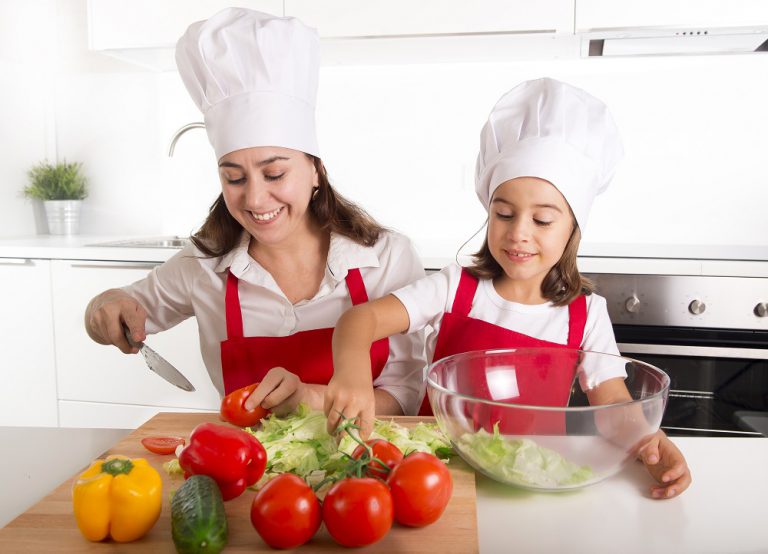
(160,365)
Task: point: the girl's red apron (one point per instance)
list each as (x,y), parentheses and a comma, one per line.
(460,333)
(308,354)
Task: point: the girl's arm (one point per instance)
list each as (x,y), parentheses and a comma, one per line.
(350,391)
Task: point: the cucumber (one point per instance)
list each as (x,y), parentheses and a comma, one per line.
(198,520)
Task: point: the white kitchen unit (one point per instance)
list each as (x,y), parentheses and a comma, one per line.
(608,14)
(102,377)
(380,18)
(27,372)
(145,31)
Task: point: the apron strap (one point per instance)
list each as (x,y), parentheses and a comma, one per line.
(232,308)
(577,320)
(465,293)
(356,287)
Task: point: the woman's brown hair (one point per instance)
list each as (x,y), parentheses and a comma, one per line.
(221,232)
(561,285)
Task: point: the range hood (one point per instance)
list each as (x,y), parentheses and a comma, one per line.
(673,41)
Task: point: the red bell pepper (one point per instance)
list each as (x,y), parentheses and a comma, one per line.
(232,457)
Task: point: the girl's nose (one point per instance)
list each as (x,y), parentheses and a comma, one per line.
(519,230)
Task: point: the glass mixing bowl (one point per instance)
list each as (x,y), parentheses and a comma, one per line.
(546,418)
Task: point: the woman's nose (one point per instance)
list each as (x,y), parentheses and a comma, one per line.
(255,192)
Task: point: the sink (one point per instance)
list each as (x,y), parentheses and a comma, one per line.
(158,242)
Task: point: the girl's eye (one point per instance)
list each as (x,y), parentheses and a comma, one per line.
(504,217)
(542,223)
(274,177)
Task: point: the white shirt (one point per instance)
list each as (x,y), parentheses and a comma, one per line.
(189,284)
(429,298)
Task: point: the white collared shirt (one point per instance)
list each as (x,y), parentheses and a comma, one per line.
(191,285)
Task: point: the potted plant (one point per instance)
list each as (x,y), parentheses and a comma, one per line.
(62,188)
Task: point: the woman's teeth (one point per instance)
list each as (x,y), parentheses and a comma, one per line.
(267,216)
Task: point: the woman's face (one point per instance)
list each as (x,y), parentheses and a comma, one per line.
(528,228)
(267,190)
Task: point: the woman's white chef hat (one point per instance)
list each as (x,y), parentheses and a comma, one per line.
(554,131)
(254,76)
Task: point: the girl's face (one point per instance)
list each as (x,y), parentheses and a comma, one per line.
(528,228)
(267,190)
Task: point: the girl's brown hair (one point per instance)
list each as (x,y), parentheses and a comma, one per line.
(221,232)
(561,285)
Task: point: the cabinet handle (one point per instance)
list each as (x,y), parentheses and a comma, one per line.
(16,261)
(116,265)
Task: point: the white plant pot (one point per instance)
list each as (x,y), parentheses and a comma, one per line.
(63,216)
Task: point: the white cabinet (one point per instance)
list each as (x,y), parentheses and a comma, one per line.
(378,18)
(609,14)
(93,373)
(145,32)
(27,372)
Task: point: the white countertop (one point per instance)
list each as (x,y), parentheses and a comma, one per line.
(737,261)
(722,511)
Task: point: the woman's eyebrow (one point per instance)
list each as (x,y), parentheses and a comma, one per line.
(262,163)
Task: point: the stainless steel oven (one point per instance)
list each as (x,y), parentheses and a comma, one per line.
(709,334)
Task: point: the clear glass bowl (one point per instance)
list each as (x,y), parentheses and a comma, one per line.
(546,418)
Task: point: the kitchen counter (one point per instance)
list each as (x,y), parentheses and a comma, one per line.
(723,511)
(745,261)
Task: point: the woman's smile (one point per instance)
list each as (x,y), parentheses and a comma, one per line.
(263,218)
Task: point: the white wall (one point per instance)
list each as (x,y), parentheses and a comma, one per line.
(401,140)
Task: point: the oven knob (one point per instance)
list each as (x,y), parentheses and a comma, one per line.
(632,304)
(697,307)
(761,310)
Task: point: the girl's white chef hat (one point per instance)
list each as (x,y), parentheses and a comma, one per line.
(554,131)
(254,76)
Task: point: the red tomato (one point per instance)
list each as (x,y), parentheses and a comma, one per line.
(233,409)
(421,487)
(358,511)
(286,512)
(162,445)
(384,451)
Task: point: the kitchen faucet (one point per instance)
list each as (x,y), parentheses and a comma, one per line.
(180,132)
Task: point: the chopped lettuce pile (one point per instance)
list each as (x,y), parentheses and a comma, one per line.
(521,461)
(300,444)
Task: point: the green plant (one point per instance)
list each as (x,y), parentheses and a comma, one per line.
(61,181)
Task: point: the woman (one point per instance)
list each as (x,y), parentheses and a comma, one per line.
(281,254)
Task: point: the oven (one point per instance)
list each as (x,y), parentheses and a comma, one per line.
(709,334)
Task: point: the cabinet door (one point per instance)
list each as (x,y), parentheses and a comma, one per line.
(96,373)
(372,18)
(28,389)
(608,14)
(117,24)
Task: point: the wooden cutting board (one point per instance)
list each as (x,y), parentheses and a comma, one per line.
(49,525)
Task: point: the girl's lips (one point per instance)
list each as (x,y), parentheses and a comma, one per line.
(518,257)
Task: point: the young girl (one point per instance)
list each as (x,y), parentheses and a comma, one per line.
(547,149)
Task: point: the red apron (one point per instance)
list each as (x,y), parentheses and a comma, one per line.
(308,354)
(460,333)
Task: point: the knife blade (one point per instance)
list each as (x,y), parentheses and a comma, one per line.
(160,365)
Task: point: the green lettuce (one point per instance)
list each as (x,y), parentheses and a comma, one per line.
(521,461)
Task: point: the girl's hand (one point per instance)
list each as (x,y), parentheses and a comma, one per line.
(109,312)
(280,392)
(354,400)
(666,464)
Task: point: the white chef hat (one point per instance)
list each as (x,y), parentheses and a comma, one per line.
(254,76)
(554,131)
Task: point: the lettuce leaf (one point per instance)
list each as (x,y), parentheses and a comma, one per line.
(521,461)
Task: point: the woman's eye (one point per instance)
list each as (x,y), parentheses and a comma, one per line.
(274,177)
(542,223)
(239,181)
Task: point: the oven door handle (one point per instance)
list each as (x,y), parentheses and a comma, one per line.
(698,351)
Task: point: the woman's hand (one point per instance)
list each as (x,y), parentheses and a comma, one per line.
(281,391)
(666,464)
(107,315)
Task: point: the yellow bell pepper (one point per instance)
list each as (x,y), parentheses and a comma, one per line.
(118,497)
